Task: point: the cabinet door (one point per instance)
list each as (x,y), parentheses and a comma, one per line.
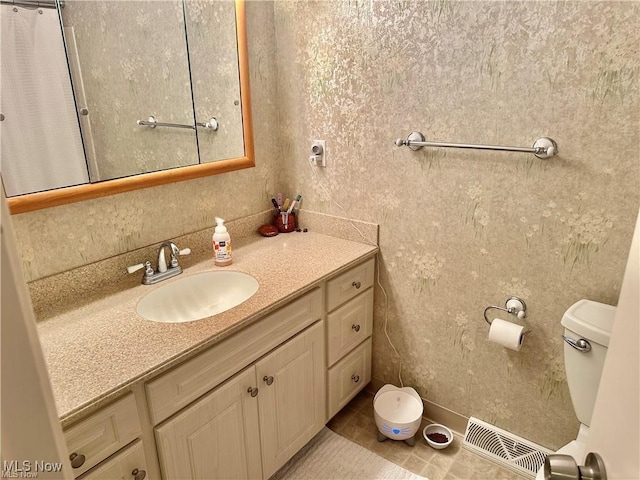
(292,397)
(215,438)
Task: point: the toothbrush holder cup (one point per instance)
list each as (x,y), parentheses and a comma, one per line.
(285,222)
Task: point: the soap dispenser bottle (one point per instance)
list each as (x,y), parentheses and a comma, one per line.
(221,244)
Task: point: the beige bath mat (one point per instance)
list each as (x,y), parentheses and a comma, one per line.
(328,456)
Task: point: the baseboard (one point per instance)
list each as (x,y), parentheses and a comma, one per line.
(432,411)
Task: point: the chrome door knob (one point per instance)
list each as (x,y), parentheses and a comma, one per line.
(564,467)
(561,467)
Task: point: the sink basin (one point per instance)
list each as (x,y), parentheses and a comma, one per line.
(197,296)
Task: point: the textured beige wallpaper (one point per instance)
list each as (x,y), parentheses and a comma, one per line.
(460,230)
(60,238)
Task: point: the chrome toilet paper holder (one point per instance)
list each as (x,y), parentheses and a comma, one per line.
(514,306)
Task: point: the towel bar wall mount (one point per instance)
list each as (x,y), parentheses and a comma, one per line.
(543,147)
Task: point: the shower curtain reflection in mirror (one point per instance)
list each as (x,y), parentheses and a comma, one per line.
(40,141)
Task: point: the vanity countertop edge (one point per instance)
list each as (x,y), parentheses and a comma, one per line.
(98,351)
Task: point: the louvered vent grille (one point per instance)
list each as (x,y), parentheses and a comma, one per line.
(508,449)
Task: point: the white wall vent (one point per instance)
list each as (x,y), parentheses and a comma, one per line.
(507,449)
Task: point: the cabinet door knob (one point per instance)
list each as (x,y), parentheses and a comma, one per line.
(356,284)
(356,327)
(253,391)
(355,378)
(268,380)
(77,460)
(138,474)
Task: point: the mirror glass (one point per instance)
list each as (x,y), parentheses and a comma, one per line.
(213,53)
(129,61)
(175,62)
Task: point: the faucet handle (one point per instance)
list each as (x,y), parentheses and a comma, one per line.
(146,265)
(135,268)
(174,260)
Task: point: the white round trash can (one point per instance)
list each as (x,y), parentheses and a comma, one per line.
(398,412)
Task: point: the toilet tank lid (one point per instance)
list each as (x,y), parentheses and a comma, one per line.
(591,320)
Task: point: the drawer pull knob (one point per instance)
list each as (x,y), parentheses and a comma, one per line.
(356,284)
(77,460)
(268,380)
(138,474)
(356,327)
(253,391)
(355,378)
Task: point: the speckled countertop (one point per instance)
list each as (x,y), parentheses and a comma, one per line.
(96,351)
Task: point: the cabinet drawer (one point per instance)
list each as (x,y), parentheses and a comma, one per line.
(349,284)
(122,465)
(103,433)
(189,381)
(349,325)
(348,377)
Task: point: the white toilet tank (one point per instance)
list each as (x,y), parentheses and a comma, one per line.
(591,321)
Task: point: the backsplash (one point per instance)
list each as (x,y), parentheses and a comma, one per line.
(53,295)
(69,290)
(460,230)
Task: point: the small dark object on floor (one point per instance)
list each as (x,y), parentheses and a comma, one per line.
(298,230)
(438,437)
(305,230)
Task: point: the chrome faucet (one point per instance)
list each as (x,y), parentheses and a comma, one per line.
(162,262)
(164,271)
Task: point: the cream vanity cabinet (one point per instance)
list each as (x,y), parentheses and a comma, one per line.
(246,405)
(250,425)
(349,327)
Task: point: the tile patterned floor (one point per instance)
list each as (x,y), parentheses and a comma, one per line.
(356,423)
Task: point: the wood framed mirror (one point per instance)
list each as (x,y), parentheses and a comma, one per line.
(61,196)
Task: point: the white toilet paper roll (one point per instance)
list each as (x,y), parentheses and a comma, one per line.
(506,334)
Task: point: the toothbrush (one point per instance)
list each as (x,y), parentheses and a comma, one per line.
(293,204)
(286,204)
(275,204)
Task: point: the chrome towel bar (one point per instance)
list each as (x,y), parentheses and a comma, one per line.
(151,122)
(543,147)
